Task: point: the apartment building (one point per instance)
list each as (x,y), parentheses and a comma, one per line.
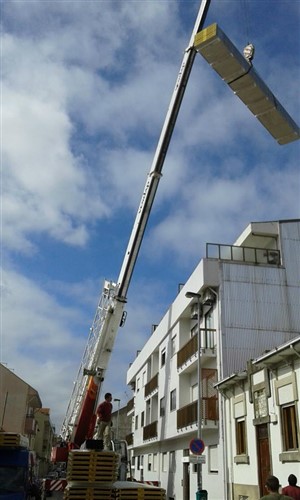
(262,409)
(241,300)
(21,412)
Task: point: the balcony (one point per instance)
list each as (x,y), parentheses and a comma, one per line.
(130,406)
(191,347)
(151,386)
(243,254)
(187,415)
(129,439)
(150,431)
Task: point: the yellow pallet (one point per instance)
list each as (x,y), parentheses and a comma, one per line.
(139,494)
(13,439)
(93,456)
(93,466)
(93,478)
(88,494)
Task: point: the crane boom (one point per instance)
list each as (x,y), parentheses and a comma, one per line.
(154,175)
(78,423)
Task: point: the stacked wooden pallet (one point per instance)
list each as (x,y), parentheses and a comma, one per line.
(134,491)
(78,493)
(13,439)
(90,475)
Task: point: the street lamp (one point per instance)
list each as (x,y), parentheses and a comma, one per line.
(118,414)
(201,494)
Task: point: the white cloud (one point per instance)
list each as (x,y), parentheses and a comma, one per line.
(214,209)
(45,188)
(39,338)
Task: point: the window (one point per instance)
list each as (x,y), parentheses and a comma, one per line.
(240,436)
(148,411)
(194,392)
(138,385)
(173,400)
(155,460)
(173,346)
(209,320)
(150,461)
(289,428)
(163,358)
(172,461)
(144,378)
(136,422)
(142,419)
(162,407)
(164,464)
(213,458)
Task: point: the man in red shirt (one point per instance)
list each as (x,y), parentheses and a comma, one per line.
(104,421)
(292,490)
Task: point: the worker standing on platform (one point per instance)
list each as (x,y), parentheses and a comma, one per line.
(104,411)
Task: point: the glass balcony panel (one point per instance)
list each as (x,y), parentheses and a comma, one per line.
(243,254)
(250,254)
(225,252)
(212,251)
(238,253)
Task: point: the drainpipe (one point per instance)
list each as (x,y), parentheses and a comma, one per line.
(222,412)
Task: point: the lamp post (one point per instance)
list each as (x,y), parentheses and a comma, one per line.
(201,494)
(118,414)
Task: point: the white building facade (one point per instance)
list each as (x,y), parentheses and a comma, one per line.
(248,295)
(262,411)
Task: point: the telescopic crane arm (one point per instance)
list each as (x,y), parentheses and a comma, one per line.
(159,157)
(79,421)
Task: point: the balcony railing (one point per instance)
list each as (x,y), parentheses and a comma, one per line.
(151,385)
(243,254)
(150,431)
(130,405)
(191,347)
(129,439)
(188,414)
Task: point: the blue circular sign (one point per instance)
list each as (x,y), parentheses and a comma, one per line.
(197,446)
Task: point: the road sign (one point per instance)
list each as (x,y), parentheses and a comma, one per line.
(197,446)
(197,459)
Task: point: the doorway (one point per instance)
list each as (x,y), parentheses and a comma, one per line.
(263,456)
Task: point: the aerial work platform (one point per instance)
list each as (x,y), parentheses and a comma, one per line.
(239,74)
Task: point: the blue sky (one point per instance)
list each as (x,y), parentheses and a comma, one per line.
(85,90)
